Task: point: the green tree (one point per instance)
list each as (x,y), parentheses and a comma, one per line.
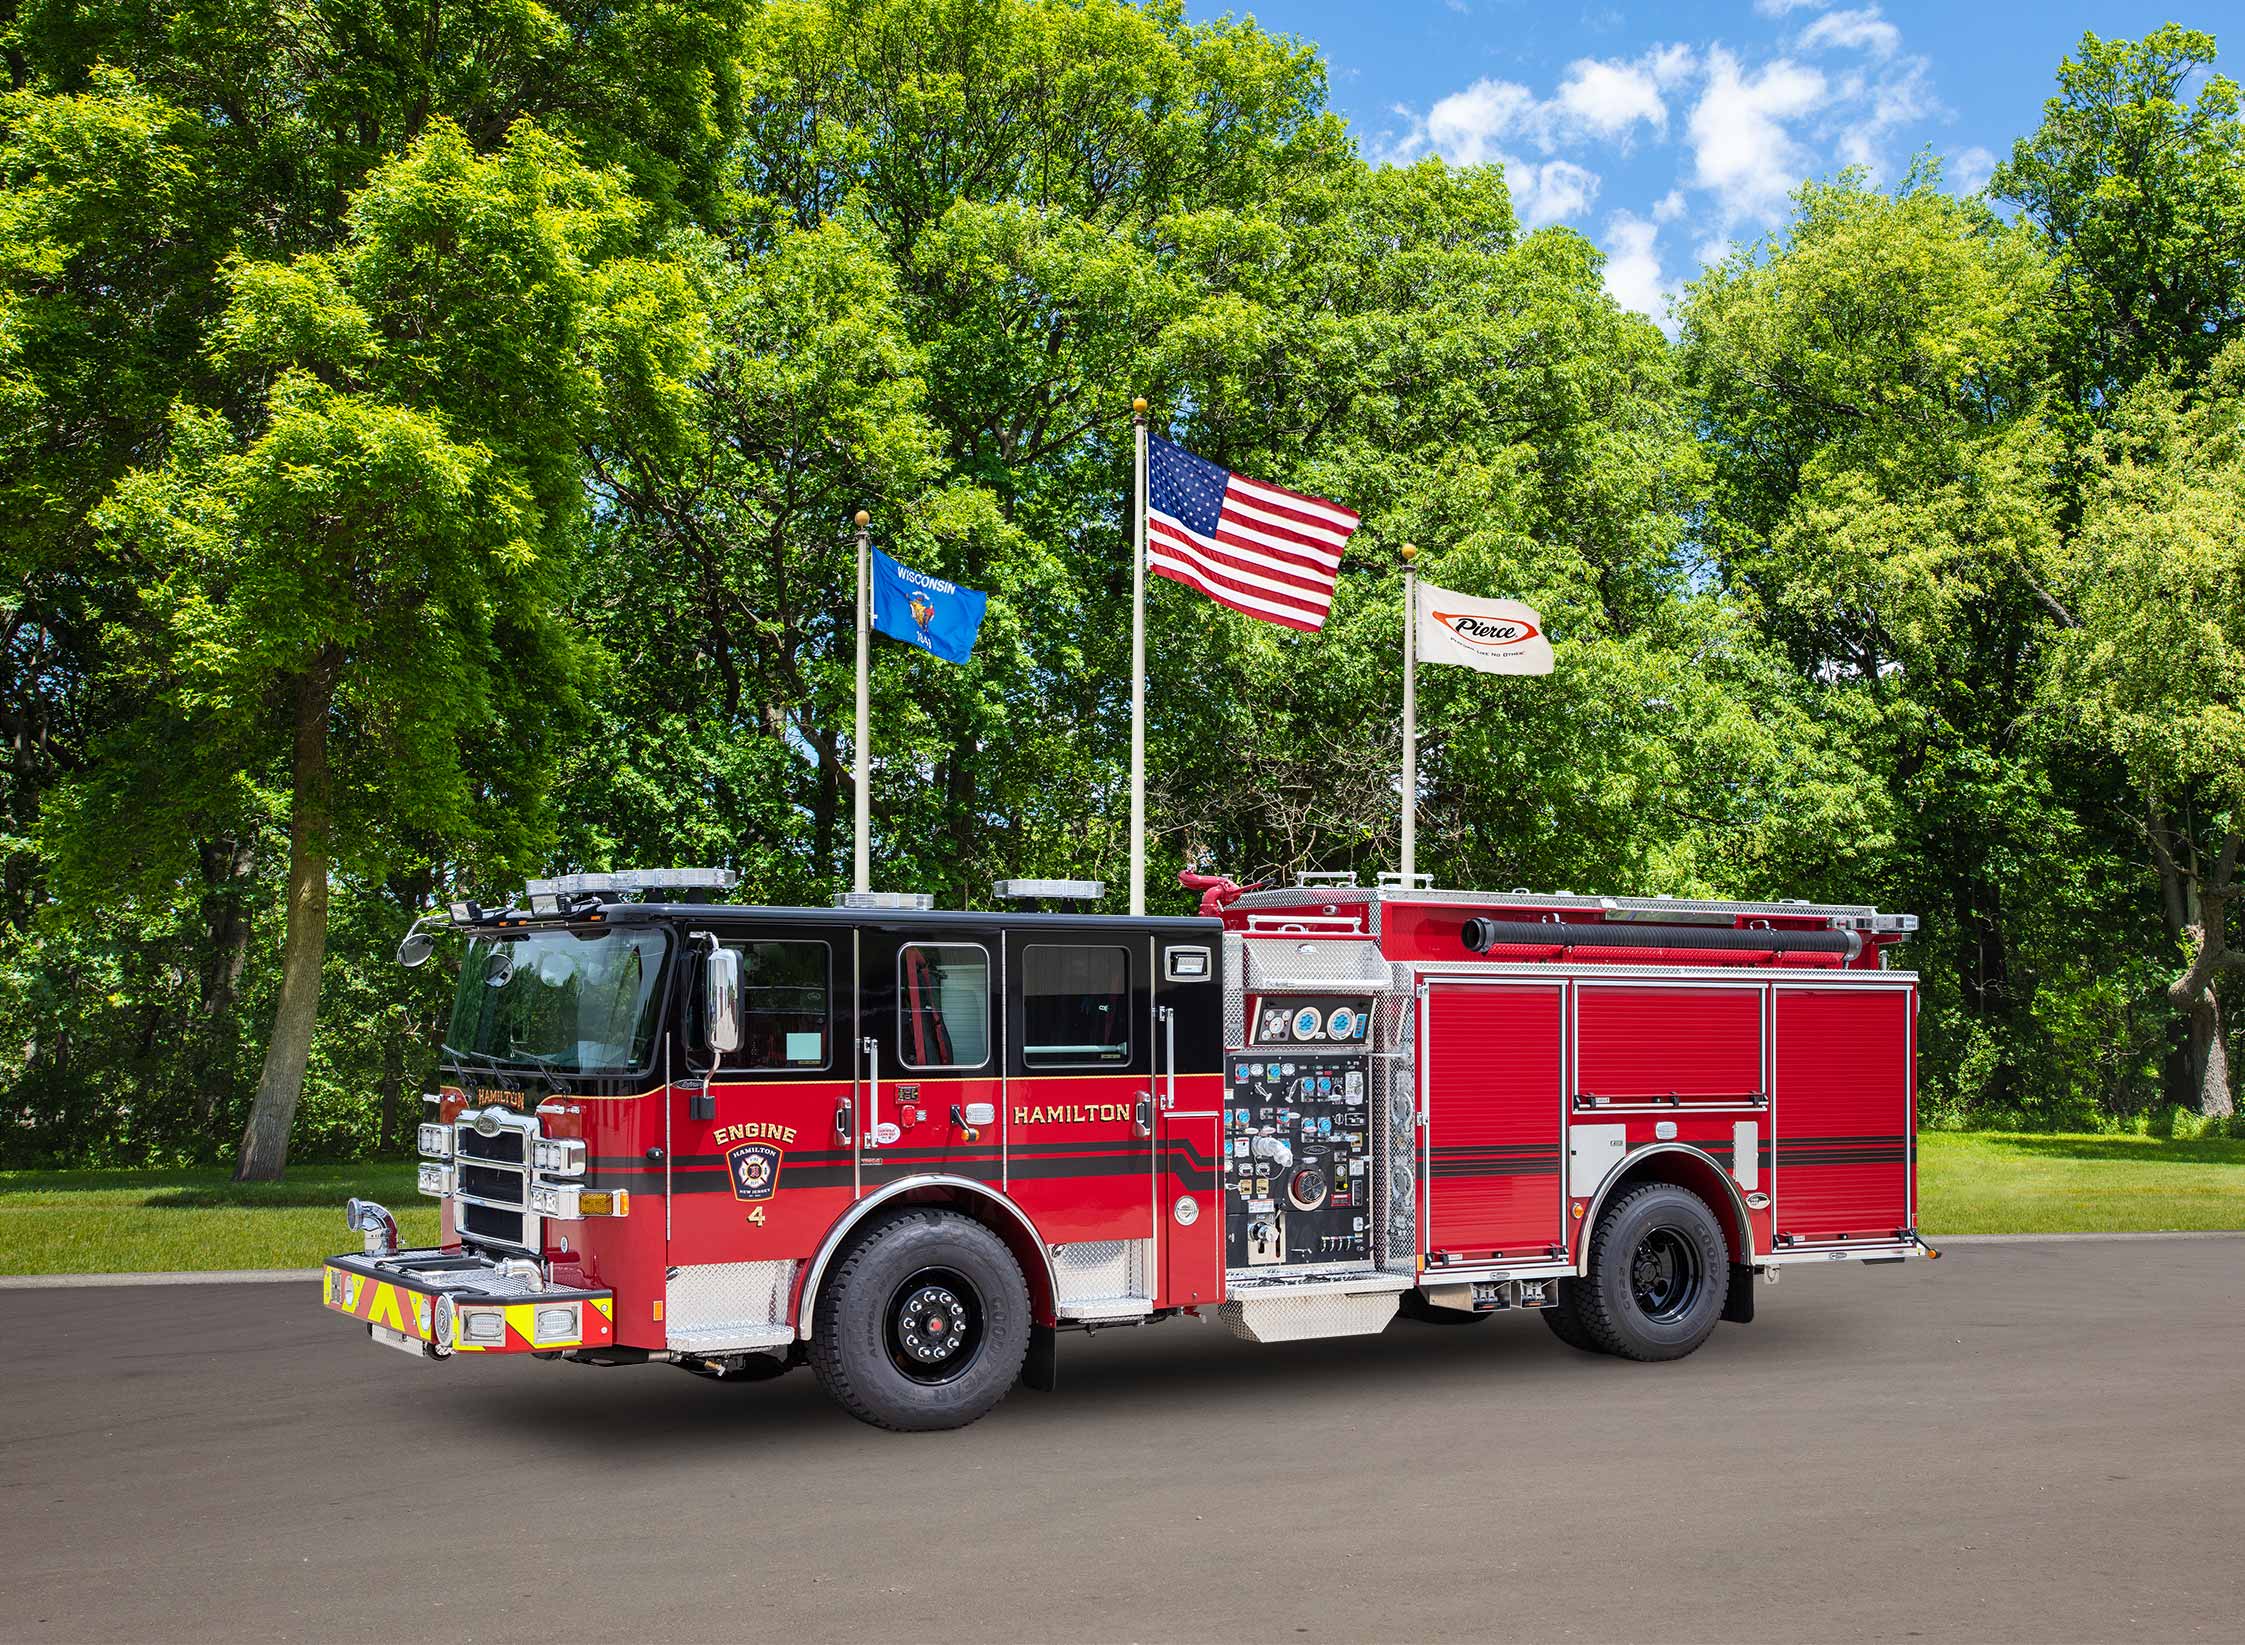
(2152,666)
(362,580)
(1872,397)
(2141,197)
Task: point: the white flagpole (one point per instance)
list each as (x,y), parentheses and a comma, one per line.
(864,841)
(1138,665)
(1410,719)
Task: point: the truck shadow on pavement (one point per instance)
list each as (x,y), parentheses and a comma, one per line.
(644,1414)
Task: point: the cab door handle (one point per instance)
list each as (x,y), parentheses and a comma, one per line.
(1142,1116)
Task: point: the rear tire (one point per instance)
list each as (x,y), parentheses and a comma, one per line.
(1565,1319)
(924,1325)
(1659,1275)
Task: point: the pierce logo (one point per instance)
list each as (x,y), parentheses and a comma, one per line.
(1487,633)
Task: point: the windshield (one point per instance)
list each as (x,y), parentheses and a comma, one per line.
(574,1002)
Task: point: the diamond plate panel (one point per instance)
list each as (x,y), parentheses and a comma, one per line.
(1282,1318)
(1314,962)
(1102,1270)
(721,1304)
(1395,1197)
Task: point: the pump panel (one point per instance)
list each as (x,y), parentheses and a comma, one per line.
(1298,1160)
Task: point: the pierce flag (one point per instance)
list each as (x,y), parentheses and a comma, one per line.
(937,616)
(1495,636)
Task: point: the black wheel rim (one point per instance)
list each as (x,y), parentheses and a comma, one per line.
(1666,1275)
(935,1325)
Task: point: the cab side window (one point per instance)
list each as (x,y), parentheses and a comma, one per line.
(1075,1006)
(786,989)
(943,1004)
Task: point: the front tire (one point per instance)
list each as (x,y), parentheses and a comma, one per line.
(1659,1275)
(924,1325)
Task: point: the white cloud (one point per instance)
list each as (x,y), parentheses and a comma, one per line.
(1551,192)
(1610,98)
(1742,147)
(1466,126)
(1970,170)
(1863,30)
(1633,267)
(1751,123)
(1902,94)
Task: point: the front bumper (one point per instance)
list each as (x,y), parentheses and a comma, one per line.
(445,1302)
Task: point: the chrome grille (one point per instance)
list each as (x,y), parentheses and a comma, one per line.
(492,1183)
(509,1145)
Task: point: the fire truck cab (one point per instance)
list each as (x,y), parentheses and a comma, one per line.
(912,1147)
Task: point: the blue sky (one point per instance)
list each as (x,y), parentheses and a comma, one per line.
(1667,133)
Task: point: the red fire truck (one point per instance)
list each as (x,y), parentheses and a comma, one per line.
(911,1147)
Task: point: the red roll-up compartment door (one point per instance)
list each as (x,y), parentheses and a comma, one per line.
(1668,1044)
(1492,1057)
(1844,1121)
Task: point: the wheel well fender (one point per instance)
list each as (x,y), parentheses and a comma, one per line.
(962,1194)
(1686,1167)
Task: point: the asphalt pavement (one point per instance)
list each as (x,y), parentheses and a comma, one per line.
(2020,1442)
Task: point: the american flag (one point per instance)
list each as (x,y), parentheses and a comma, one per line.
(1257,548)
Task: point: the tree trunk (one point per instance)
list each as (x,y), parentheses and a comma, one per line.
(264,1153)
(2210,1058)
(226,864)
(394,1029)
(2193,993)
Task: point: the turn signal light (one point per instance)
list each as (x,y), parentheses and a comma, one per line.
(604,1203)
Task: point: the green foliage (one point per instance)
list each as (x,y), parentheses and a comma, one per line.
(2141,198)
(491,388)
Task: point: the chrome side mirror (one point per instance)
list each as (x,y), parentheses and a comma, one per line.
(724,1002)
(419,944)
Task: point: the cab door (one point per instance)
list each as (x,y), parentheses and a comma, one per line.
(1080,1099)
(930,1058)
(761,1156)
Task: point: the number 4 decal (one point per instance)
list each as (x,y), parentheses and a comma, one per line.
(757,1216)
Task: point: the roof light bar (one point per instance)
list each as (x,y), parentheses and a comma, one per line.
(920,900)
(1054,890)
(636,879)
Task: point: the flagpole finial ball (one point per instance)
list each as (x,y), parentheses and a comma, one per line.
(863,519)
(1409,551)
(1139,406)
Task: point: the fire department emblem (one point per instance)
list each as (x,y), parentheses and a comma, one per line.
(756,1170)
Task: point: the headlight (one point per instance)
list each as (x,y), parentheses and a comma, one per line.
(558,1322)
(549,1199)
(558,1157)
(436,1179)
(436,1141)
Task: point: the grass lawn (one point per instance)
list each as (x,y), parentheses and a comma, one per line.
(1983,1182)
(90,1222)
(93,1222)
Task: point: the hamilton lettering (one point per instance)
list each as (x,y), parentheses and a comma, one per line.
(1078,1113)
